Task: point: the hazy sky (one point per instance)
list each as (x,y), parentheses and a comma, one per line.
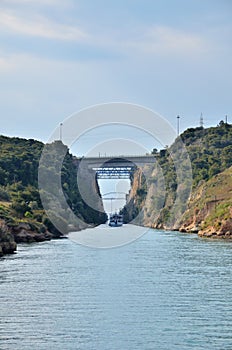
(59,56)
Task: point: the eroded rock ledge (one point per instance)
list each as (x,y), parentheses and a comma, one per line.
(21,233)
(225,230)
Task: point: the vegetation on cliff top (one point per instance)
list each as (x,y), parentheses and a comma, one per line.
(210,150)
(19,196)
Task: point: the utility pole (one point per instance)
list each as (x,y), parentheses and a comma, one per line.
(226,119)
(61,126)
(178,125)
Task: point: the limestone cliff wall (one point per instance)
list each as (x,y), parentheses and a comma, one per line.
(210,208)
(209,211)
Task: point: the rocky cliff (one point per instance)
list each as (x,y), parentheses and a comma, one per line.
(209,210)
(7,242)
(22,214)
(209,204)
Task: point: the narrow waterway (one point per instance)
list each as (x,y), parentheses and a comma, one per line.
(165,291)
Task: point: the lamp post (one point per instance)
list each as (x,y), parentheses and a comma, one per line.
(61,125)
(178,125)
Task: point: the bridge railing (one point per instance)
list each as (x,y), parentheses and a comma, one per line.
(121,156)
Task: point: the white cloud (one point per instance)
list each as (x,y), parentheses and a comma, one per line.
(41,2)
(154,41)
(40,27)
(165,40)
(5,65)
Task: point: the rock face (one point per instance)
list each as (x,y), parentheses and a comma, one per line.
(146,198)
(210,208)
(209,211)
(130,212)
(7,247)
(224,232)
(62,205)
(7,242)
(24,234)
(205,168)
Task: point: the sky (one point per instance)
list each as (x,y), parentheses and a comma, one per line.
(58,57)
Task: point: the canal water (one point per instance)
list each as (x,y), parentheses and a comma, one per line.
(165,291)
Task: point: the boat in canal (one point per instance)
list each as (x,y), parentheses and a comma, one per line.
(115,220)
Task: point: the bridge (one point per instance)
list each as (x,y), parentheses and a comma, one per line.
(116,167)
(114,197)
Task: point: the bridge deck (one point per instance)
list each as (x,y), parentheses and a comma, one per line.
(114,160)
(116,167)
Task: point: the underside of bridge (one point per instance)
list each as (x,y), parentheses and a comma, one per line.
(113,172)
(116,167)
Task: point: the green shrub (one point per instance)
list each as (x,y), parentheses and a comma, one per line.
(4,195)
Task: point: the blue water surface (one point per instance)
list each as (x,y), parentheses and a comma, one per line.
(166,291)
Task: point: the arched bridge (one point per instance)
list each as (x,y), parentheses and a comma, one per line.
(116,167)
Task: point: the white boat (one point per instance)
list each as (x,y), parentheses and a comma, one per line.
(115,220)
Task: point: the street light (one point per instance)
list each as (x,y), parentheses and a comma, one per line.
(178,125)
(61,125)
